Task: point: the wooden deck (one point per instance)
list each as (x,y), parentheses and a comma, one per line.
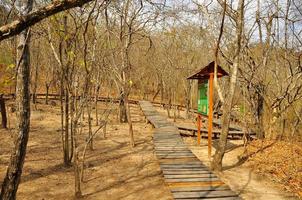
(215,133)
(186,176)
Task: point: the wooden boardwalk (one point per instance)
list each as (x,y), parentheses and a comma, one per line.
(186,176)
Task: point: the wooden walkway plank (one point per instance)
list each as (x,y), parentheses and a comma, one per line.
(194,189)
(188,172)
(194,170)
(209,194)
(205,198)
(186,176)
(172,180)
(169,176)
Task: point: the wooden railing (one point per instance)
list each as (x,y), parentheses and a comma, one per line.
(52,96)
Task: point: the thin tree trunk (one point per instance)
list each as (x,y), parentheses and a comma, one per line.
(188,99)
(132,143)
(77,168)
(258,21)
(174,114)
(72,113)
(75,112)
(3,111)
(259,117)
(104,130)
(77,172)
(35,84)
(159,86)
(14,170)
(169,103)
(62,116)
(66,134)
(47,93)
(283,123)
(217,86)
(89,125)
(96,104)
(122,108)
(294,128)
(162,93)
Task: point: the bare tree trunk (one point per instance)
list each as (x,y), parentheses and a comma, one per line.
(259,117)
(35,84)
(14,170)
(72,113)
(3,111)
(258,21)
(132,143)
(47,93)
(97,88)
(66,132)
(283,124)
(295,127)
(188,99)
(104,130)
(159,88)
(162,93)
(217,86)
(169,103)
(227,107)
(122,107)
(76,166)
(77,172)
(89,126)
(155,95)
(174,113)
(62,116)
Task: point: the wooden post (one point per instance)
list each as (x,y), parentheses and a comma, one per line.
(198,128)
(210,115)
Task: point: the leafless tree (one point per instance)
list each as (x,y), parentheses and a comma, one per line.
(14,170)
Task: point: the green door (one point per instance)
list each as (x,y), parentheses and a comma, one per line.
(203,98)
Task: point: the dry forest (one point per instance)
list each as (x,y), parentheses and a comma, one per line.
(151,99)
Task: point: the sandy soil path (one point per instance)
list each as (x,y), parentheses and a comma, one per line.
(113,169)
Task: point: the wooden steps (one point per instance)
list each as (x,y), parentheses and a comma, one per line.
(186,176)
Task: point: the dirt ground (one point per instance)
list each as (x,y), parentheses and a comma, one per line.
(251,180)
(113,169)
(243,179)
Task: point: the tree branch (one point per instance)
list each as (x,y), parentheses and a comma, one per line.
(32,18)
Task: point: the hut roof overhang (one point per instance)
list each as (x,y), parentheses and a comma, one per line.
(204,73)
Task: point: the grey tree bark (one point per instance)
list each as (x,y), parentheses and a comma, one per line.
(14,170)
(227,106)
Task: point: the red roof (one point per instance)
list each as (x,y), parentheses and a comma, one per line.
(204,73)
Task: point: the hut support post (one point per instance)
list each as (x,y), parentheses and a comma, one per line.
(198,128)
(210,115)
